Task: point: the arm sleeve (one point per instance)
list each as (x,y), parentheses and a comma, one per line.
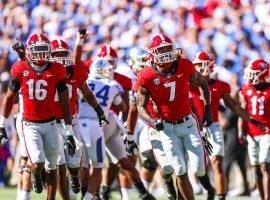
(14,85)
(61,86)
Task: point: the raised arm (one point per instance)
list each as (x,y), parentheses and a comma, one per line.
(77,52)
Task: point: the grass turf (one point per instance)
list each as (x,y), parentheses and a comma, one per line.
(10,194)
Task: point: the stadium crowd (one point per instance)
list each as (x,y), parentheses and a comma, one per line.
(233,31)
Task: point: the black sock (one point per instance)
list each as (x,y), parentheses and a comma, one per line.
(140,187)
(205,181)
(83,190)
(221,196)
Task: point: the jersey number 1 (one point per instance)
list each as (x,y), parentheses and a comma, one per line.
(35,91)
(171,85)
(254,102)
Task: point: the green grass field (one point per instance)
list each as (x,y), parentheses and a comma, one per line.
(10,194)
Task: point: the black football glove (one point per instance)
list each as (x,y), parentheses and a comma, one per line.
(157,123)
(207,117)
(3,136)
(70,145)
(101,116)
(83,32)
(242,138)
(208,146)
(131,146)
(19,48)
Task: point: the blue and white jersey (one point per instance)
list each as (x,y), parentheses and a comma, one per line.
(107,92)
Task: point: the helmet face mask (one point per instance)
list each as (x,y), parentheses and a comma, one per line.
(38,49)
(162,50)
(204,63)
(102,69)
(256,72)
(61,53)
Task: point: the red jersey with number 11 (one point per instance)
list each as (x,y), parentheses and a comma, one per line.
(169,92)
(258,106)
(38,89)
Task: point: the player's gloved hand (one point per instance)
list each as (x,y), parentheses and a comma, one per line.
(19,48)
(131,146)
(259,125)
(83,32)
(157,123)
(207,117)
(3,136)
(242,138)
(70,144)
(101,115)
(207,145)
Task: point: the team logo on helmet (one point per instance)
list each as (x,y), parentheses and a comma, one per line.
(156,81)
(263,65)
(25,73)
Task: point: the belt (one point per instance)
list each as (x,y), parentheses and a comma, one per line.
(58,120)
(40,121)
(179,121)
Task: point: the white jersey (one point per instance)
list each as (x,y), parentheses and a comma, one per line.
(107,92)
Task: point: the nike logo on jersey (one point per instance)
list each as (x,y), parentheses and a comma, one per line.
(49,75)
(72,81)
(215,89)
(52,123)
(179,75)
(190,126)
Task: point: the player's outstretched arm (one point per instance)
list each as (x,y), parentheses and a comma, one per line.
(198,80)
(90,98)
(132,118)
(142,101)
(7,105)
(77,53)
(235,107)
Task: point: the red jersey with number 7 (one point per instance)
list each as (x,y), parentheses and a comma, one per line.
(169,92)
(38,89)
(258,106)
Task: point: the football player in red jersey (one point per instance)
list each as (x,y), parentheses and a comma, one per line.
(167,83)
(39,80)
(76,79)
(204,63)
(256,99)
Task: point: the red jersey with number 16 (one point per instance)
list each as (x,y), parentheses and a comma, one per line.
(38,89)
(169,92)
(258,106)
(78,76)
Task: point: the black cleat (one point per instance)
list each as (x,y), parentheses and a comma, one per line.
(211,194)
(104,192)
(96,196)
(75,184)
(169,189)
(36,182)
(147,196)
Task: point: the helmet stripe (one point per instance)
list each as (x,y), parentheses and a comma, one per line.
(162,38)
(39,37)
(59,43)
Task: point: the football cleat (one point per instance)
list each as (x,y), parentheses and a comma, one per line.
(36,182)
(169,189)
(75,184)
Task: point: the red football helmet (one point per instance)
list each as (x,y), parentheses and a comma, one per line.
(109,54)
(161,50)
(203,62)
(38,49)
(257,71)
(61,52)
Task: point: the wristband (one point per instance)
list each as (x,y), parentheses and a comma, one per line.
(69,130)
(130,137)
(202,133)
(3,121)
(79,41)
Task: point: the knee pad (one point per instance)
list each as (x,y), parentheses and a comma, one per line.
(149,161)
(26,169)
(20,169)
